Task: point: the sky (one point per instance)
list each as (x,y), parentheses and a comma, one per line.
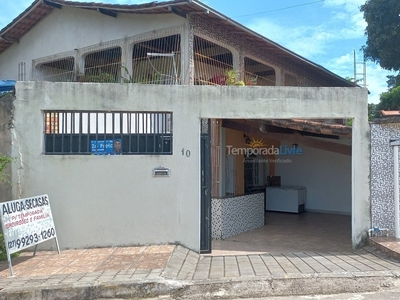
(326,32)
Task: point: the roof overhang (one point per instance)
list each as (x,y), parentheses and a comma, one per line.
(39,9)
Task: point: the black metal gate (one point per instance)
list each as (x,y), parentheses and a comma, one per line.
(205,222)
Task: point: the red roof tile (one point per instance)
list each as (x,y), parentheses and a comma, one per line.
(390,113)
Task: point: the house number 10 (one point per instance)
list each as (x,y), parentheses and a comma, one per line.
(187,152)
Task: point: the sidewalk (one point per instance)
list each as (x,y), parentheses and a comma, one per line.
(151,271)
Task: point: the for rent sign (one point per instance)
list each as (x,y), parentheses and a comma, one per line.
(27,222)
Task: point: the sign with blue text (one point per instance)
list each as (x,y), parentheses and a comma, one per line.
(26,223)
(105,147)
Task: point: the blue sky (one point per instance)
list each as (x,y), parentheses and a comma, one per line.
(324,31)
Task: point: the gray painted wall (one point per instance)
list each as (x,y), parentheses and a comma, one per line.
(114,200)
(6,111)
(326,176)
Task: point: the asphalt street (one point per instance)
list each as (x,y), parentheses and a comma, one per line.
(392,294)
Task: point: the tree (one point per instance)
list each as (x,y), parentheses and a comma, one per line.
(383,32)
(373,111)
(393,81)
(383,47)
(390,100)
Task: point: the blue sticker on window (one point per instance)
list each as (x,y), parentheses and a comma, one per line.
(107,147)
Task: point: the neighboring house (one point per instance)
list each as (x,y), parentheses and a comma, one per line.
(383,131)
(165,80)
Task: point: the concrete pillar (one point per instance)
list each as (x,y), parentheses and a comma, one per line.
(222,162)
(361,205)
(187,55)
(279,77)
(126,61)
(79,64)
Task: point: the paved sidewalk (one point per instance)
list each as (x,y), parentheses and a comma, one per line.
(98,260)
(137,272)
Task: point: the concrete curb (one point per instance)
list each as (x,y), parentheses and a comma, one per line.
(209,289)
(89,291)
(285,287)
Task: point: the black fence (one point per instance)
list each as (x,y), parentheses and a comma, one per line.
(130,144)
(104,144)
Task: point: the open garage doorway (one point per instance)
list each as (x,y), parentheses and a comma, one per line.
(281,185)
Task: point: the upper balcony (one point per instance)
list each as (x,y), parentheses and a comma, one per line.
(156,61)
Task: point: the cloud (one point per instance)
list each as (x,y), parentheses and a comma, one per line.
(313,40)
(349,6)
(340,65)
(304,40)
(375,75)
(348,12)
(375,83)
(326,43)
(12,10)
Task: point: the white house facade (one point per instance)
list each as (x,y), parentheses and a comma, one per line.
(166,81)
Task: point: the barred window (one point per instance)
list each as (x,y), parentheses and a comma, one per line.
(107,133)
(102,66)
(257,73)
(61,70)
(157,61)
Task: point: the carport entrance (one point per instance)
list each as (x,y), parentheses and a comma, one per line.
(307,159)
(285,232)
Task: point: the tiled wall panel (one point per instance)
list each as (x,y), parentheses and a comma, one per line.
(235,215)
(382,184)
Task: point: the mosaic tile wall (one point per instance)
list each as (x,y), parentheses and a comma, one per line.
(382,202)
(235,215)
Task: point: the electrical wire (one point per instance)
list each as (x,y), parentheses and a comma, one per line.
(283,8)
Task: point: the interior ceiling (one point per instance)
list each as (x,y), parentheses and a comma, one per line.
(294,131)
(39,9)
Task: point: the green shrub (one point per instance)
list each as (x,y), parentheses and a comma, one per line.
(3,250)
(4,162)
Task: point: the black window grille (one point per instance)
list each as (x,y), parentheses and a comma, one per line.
(107,133)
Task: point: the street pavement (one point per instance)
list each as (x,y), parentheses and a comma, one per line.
(173,271)
(392,294)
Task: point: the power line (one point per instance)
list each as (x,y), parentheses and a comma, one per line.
(283,8)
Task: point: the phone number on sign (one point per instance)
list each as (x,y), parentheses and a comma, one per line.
(31,239)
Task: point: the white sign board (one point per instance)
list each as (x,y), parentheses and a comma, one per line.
(26,223)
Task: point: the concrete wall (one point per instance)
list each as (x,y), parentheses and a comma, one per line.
(326,176)
(6,111)
(114,200)
(72,28)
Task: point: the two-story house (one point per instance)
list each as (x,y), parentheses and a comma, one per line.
(203,110)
